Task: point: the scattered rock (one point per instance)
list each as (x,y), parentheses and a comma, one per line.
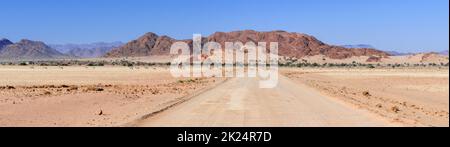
(379,106)
(95,89)
(404,104)
(73,88)
(366,93)
(47,93)
(395,109)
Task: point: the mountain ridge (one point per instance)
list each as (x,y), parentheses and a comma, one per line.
(291,44)
(28,49)
(4,42)
(89,50)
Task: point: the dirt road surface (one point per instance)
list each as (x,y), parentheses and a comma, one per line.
(240,102)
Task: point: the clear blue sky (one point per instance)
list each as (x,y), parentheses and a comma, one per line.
(401,25)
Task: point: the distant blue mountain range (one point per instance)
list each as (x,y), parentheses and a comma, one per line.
(91,50)
(444,52)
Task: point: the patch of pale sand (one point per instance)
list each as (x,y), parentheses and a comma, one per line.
(425,88)
(414,72)
(77,75)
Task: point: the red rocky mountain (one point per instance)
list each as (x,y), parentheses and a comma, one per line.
(289,45)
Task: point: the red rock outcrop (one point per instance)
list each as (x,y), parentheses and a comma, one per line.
(289,45)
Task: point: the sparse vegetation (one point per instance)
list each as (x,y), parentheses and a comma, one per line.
(354,64)
(23,64)
(62,63)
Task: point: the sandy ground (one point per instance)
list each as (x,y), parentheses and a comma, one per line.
(123,96)
(42,75)
(79,96)
(414,97)
(240,102)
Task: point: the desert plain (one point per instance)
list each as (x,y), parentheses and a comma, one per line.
(149,96)
(89,96)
